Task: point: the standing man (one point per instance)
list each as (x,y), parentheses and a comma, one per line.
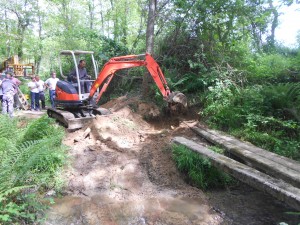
(8,88)
(51,84)
(41,87)
(1,79)
(34,94)
(84,85)
(17,82)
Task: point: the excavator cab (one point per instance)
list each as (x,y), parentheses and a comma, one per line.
(68,63)
(71,107)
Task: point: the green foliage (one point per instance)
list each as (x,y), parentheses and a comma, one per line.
(283,100)
(199,169)
(267,116)
(16,206)
(8,128)
(31,160)
(44,127)
(270,68)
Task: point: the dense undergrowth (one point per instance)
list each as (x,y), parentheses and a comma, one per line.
(247,90)
(32,156)
(253,94)
(266,115)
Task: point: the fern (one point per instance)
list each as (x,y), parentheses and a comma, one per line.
(21,209)
(30,157)
(293,91)
(8,128)
(283,100)
(41,128)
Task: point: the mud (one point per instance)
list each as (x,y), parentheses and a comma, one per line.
(122,172)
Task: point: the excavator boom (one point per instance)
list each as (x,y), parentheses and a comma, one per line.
(125,62)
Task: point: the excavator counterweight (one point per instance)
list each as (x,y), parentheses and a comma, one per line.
(74,107)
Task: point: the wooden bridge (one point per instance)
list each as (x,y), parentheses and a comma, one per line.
(264,170)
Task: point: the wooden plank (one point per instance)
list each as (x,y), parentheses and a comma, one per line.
(277,188)
(261,159)
(262,152)
(22,100)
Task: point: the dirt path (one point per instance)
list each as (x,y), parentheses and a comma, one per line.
(122,173)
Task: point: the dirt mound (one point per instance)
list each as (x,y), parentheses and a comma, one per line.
(136,105)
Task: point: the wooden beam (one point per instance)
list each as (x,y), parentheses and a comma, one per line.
(276,187)
(266,161)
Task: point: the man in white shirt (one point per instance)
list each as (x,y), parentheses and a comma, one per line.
(51,84)
(34,94)
(41,90)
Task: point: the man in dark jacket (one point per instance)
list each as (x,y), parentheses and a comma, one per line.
(8,90)
(2,77)
(83,76)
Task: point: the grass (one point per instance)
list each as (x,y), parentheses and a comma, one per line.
(199,169)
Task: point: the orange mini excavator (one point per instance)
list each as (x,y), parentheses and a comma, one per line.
(74,106)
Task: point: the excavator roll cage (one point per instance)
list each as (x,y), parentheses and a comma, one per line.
(126,62)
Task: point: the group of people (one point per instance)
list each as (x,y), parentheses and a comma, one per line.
(37,91)
(9,85)
(9,89)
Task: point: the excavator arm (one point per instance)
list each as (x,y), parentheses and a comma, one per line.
(125,62)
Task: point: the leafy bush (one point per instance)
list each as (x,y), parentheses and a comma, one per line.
(267,116)
(283,100)
(269,68)
(42,128)
(199,169)
(31,159)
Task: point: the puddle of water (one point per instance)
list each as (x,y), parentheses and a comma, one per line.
(101,210)
(243,204)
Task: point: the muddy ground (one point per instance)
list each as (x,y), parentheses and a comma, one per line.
(122,172)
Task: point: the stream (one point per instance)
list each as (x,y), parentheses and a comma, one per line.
(239,205)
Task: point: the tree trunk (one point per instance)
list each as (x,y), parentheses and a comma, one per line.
(7,34)
(102,30)
(21,34)
(125,23)
(273,26)
(91,6)
(39,52)
(147,79)
(139,34)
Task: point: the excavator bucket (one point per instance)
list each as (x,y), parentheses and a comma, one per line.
(177,103)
